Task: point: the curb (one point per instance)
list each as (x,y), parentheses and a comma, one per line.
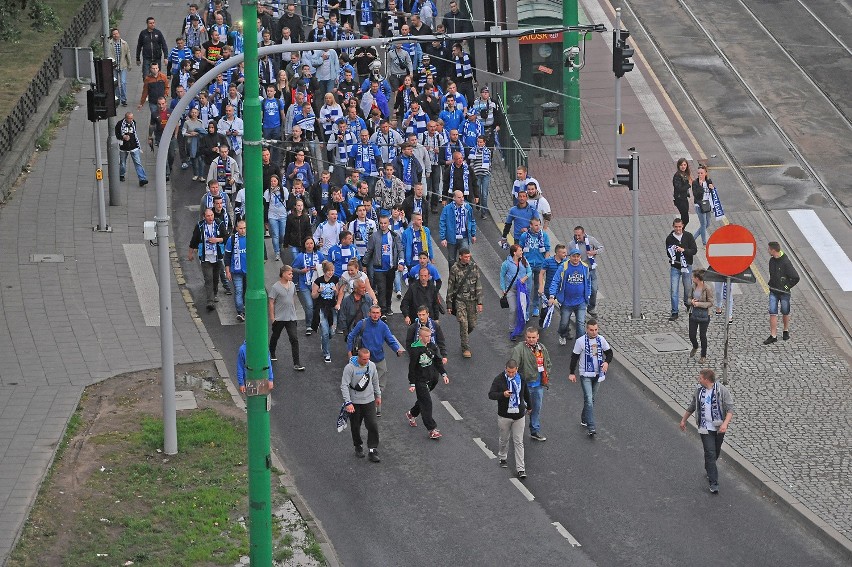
(285,479)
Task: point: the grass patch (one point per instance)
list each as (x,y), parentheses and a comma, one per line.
(66,105)
(21,58)
(312,549)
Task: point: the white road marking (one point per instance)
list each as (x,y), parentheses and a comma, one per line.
(731,249)
(452,411)
(147,288)
(567,535)
(523,489)
(485,449)
(826,247)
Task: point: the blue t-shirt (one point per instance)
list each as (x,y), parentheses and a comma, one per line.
(272,108)
(387,250)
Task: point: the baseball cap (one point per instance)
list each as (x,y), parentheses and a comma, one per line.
(574,250)
(484,90)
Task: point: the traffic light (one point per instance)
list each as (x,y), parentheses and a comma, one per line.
(631,178)
(621,53)
(101,99)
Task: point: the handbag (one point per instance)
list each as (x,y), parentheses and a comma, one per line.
(700,314)
(504,301)
(706,206)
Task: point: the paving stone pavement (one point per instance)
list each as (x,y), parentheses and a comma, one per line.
(66,325)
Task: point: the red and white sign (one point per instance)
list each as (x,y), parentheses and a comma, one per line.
(731,249)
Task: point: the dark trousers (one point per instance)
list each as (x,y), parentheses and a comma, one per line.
(712,442)
(277,327)
(698,328)
(433,186)
(383,282)
(212,271)
(423,405)
(683,209)
(367,414)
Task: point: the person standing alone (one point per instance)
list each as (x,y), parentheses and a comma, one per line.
(782,278)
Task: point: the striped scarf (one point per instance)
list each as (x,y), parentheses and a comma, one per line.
(366,158)
(223,168)
(465,178)
(480,158)
(366,13)
(464,70)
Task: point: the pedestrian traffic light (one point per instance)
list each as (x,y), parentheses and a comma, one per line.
(621,53)
(101,99)
(631,178)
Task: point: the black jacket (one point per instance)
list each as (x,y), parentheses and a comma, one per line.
(129,129)
(498,386)
(782,275)
(297,32)
(424,363)
(417,295)
(298,230)
(437,335)
(151,44)
(687,242)
(680,185)
(408,208)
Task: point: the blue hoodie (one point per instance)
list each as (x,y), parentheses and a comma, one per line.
(571,285)
(373,338)
(241,366)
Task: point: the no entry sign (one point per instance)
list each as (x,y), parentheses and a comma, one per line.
(731,249)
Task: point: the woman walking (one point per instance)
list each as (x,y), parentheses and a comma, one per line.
(515,269)
(702,193)
(699,316)
(276,197)
(324,293)
(681,181)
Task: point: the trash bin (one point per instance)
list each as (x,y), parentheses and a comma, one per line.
(550,118)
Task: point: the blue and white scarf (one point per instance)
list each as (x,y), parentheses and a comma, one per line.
(311,261)
(210,231)
(522,297)
(223,168)
(718,211)
(514,387)
(406,170)
(366,14)
(715,406)
(465,178)
(464,70)
(461,218)
(589,361)
(548,317)
(366,158)
(592,262)
(480,159)
(238,244)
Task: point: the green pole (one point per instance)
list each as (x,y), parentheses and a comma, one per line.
(571,85)
(257,342)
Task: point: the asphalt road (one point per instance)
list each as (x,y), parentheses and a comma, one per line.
(635,494)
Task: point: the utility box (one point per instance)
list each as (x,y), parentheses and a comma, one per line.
(149,231)
(550,118)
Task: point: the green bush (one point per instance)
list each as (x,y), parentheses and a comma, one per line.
(43,16)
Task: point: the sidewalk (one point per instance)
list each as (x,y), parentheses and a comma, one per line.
(779,390)
(73,322)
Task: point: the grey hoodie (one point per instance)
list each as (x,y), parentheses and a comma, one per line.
(352,374)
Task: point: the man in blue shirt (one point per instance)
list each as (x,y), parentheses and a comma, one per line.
(384,257)
(241,370)
(373,333)
(536,245)
(457,226)
(519,216)
(273,116)
(235,267)
(571,287)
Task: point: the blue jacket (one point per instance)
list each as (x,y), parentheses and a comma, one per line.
(507,273)
(408,245)
(373,338)
(519,219)
(448,223)
(571,285)
(241,366)
(535,247)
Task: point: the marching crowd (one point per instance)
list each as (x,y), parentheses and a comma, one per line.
(362,148)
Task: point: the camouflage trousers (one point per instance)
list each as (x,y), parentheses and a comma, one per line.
(466,315)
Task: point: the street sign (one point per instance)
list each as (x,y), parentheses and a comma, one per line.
(746,277)
(731,249)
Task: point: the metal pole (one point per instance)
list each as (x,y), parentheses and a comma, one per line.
(615,38)
(729,308)
(99,178)
(257,320)
(637,308)
(112,142)
(571,86)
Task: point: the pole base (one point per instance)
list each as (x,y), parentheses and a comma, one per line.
(97,228)
(572,151)
(632,318)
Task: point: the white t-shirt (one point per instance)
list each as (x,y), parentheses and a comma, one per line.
(580,348)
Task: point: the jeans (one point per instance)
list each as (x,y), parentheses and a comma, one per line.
(423,405)
(433,185)
(484,182)
(579,312)
(777,298)
(239,281)
(290,326)
(694,328)
(383,282)
(712,443)
(308,306)
(536,399)
(325,332)
(136,156)
(170,153)
(593,299)
(535,298)
(121,88)
(590,388)
(513,428)
(367,414)
(676,278)
(453,249)
(276,231)
(704,219)
(397,282)
(723,298)
(327,85)
(211,272)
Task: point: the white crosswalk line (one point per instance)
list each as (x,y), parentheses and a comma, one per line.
(481,444)
(566,534)
(452,411)
(522,489)
(825,246)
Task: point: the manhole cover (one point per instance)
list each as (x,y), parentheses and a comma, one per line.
(664,342)
(48,258)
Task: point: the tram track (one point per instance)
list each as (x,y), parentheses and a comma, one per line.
(737,168)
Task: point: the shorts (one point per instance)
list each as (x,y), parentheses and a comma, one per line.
(775,298)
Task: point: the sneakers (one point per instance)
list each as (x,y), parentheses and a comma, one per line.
(769,340)
(184,165)
(374,456)
(228,291)
(309,332)
(277,257)
(786,335)
(121,178)
(466,353)
(702,360)
(211,307)
(592,432)
(538,436)
(298,367)
(412,421)
(693,351)
(563,341)
(272,357)
(327,358)
(583,423)
(378,411)
(504,464)
(359,452)
(522,474)
(673,317)
(535,313)
(399,295)
(241,317)
(434,434)
(714,487)
(144,182)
